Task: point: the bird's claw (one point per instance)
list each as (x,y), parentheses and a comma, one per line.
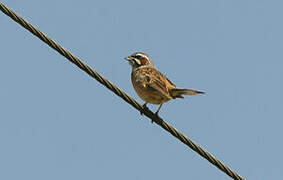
(156,115)
(144,107)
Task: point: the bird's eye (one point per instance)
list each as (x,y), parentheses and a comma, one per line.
(137,56)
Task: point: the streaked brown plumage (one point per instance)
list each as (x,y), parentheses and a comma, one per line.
(150,84)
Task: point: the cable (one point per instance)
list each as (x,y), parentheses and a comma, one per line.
(202,152)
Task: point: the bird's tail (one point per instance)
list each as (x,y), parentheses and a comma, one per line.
(177,93)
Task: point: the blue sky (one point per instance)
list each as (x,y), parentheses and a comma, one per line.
(58,123)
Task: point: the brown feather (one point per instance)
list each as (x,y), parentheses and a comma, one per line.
(177,93)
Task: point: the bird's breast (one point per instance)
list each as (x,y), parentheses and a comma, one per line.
(141,84)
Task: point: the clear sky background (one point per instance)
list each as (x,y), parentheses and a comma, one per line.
(58,123)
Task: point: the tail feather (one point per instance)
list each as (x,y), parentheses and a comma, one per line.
(177,93)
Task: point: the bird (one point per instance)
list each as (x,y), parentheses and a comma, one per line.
(151,85)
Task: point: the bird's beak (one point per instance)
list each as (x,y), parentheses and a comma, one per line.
(128,58)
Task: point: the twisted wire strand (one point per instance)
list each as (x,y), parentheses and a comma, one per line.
(202,152)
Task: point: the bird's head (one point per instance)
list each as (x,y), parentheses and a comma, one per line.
(139,59)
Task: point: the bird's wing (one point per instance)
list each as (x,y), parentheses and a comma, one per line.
(158,82)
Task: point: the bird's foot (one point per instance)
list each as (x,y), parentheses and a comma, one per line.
(144,107)
(156,115)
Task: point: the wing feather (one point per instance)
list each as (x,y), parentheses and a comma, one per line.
(158,81)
